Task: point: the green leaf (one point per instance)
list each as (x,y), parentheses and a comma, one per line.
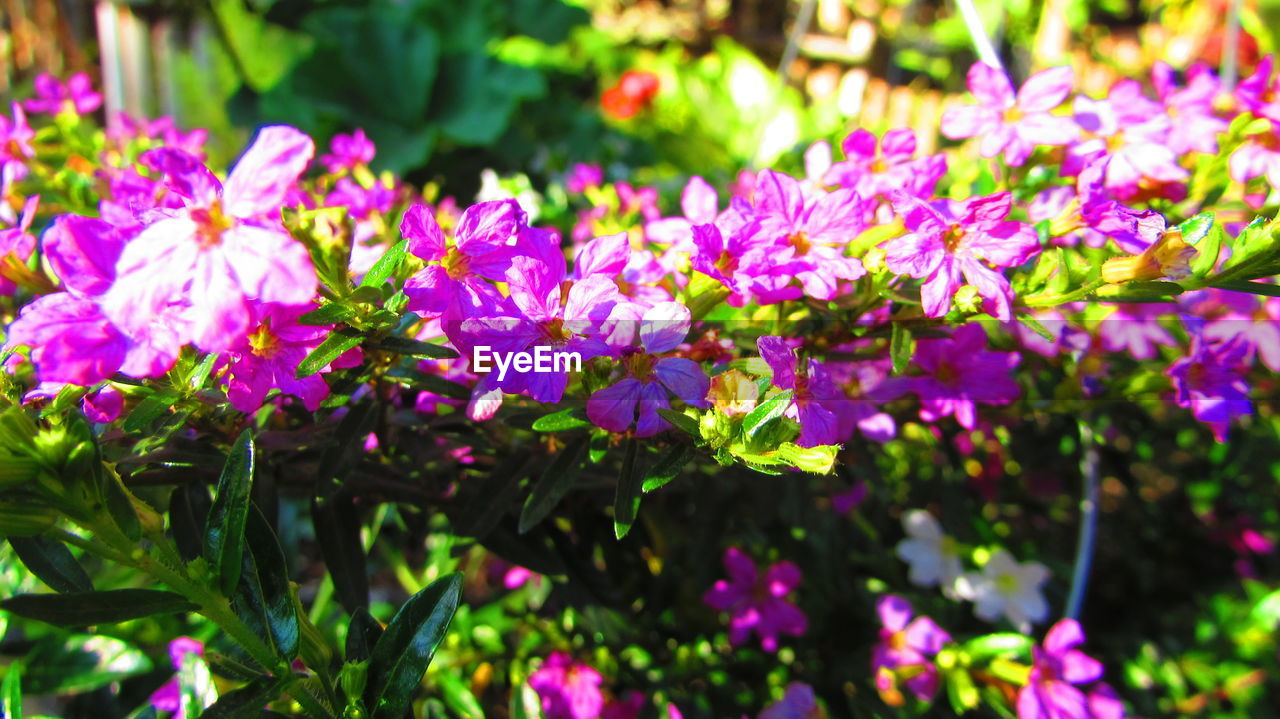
(1205,234)
(337,526)
(413,348)
(188,513)
(431,383)
(458,697)
(75,609)
(900,346)
(556,481)
(11,691)
(64,664)
(479,94)
(386,265)
(1034,325)
(771,408)
(682,422)
(493,495)
(328,314)
(52,562)
(224,529)
(565,419)
(329,350)
(1257,288)
(362,635)
(149,410)
(668,468)
(404,651)
(626,502)
(247,701)
(991,645)
(264,599)
(119,502)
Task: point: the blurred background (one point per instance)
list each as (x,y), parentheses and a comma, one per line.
(446,89)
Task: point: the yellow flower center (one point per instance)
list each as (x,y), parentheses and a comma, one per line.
(263,342)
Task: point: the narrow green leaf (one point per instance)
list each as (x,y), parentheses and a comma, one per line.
(1034,325)
(224,529)
(119,503)
(386,265)
(565,419)
(362,635)
(337,525)
(328,314)
(11,691)
(76,609)
(1257,288)
(900,346)
(188,512)
(431,383)
(414,348)
(247,701)
(263,599)
(668,468)
(52,562)
(626,502)
(149,410)
(329,350)
(458,697)
(556,481)
(682,422)
(771,408)
(404,651)
(68,663)
(494,494)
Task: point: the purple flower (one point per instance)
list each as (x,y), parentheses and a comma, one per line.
(15,147)
(943,247)
(1193,125)
(17,244)
(583,177)
(1258,156)
(817,403)
(649,378)
(347,152)
(1132,131)
(1052,689)
(223,251)
(1210,380)
(798,702)
(807,235)
(1259,93)
(168,698)
(871,173)
(53,97)
(568,689)
(906,644)
(456,276)
(757,603)
(1135,329)
(268,358)
(961,374)
(1014,124)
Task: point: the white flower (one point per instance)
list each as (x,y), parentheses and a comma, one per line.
(933,556)
(1005,587)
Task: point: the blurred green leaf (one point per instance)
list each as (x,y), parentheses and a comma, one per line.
(224,529)
(404,651)
(76,609)
(52,562)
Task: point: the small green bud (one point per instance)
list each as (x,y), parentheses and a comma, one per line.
(716,428)
(818,460)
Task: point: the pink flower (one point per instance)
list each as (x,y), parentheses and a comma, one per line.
(906,644)
(168,698)
(347,152)
(17,244)
(267,358)
(961,374)
(569,689)
(224,251)
(1012,123)
(963,239)
(799,702)
(76,96)
(1051,691)
(756,603)
(872,171)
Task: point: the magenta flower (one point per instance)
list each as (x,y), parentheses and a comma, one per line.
(872,172)
(568,689)
(906,644)
(583,177)
(942,247)
(756,603)
(649,378)
(268,358)
(961,374)
(1014,124)
(53,97)
(1259,93)
(347,152)
(807,235)
(224,251)
(1060,668)
(1131,130)
(1258,156)
(817,403)
(458,272)
(1210,381)
(798,702)
(15,147)
(168,698)
(17,244)
(1135,329)
(1193,125)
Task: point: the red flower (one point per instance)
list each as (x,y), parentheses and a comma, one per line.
(634,91)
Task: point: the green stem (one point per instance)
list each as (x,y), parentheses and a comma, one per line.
(1088,520)
(1052,300)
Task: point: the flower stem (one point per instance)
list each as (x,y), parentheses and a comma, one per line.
(1088,520)
(981,43)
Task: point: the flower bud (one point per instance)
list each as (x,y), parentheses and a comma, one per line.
(818,460)
(1170,257)
(968,299)
(733,393)
(716,428)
